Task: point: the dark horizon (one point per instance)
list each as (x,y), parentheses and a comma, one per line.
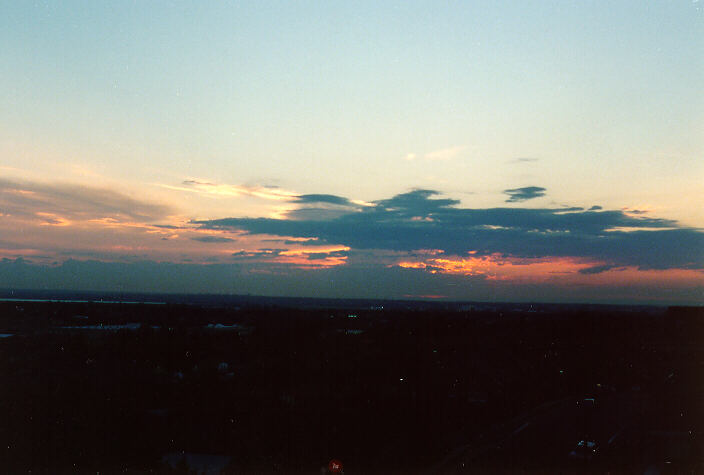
(215,299)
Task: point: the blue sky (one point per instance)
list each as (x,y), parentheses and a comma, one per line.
(135,114)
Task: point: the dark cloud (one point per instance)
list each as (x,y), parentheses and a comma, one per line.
(320,207)
(195,182)
(415,203)
(74,202)
(325,255)
(166,226)
(294,242)
(525,193)
(568,209)
(330,199)
(257,253)
(417,220)
(212,239)
(595,269)
(316,214)
(595,208)
(307,242)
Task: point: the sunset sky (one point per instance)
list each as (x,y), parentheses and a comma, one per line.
(495,151)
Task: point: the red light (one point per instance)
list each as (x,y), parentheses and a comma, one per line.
(335,466)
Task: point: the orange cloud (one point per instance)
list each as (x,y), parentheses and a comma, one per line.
(556,270)
(51,219)
(315,257)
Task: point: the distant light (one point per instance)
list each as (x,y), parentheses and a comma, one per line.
(400,379)
(335,466)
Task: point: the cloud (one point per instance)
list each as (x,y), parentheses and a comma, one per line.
(326,255)
(595,208)
(330,199)
(63,203)
(596,269)
(416,203)
(445,153)
(226,190)
(321,207)
(524,160)
(212,239)
(166,226)
(419,220)
(635,211)
(309,258)
(266,252)
(525,193)
(315,214)
(407,244)
(302,242)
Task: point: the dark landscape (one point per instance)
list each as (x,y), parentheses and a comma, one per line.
(261,385)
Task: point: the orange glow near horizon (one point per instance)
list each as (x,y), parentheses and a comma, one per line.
(560,270)
(497,267)
(53,237)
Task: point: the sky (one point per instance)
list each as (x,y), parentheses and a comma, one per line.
(494,151)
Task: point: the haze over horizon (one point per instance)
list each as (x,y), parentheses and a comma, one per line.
(512,151)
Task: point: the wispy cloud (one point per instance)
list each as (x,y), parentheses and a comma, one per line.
(63,203)
(524,160)
(525,193)
(227,190)
(635,212)
(321,198)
